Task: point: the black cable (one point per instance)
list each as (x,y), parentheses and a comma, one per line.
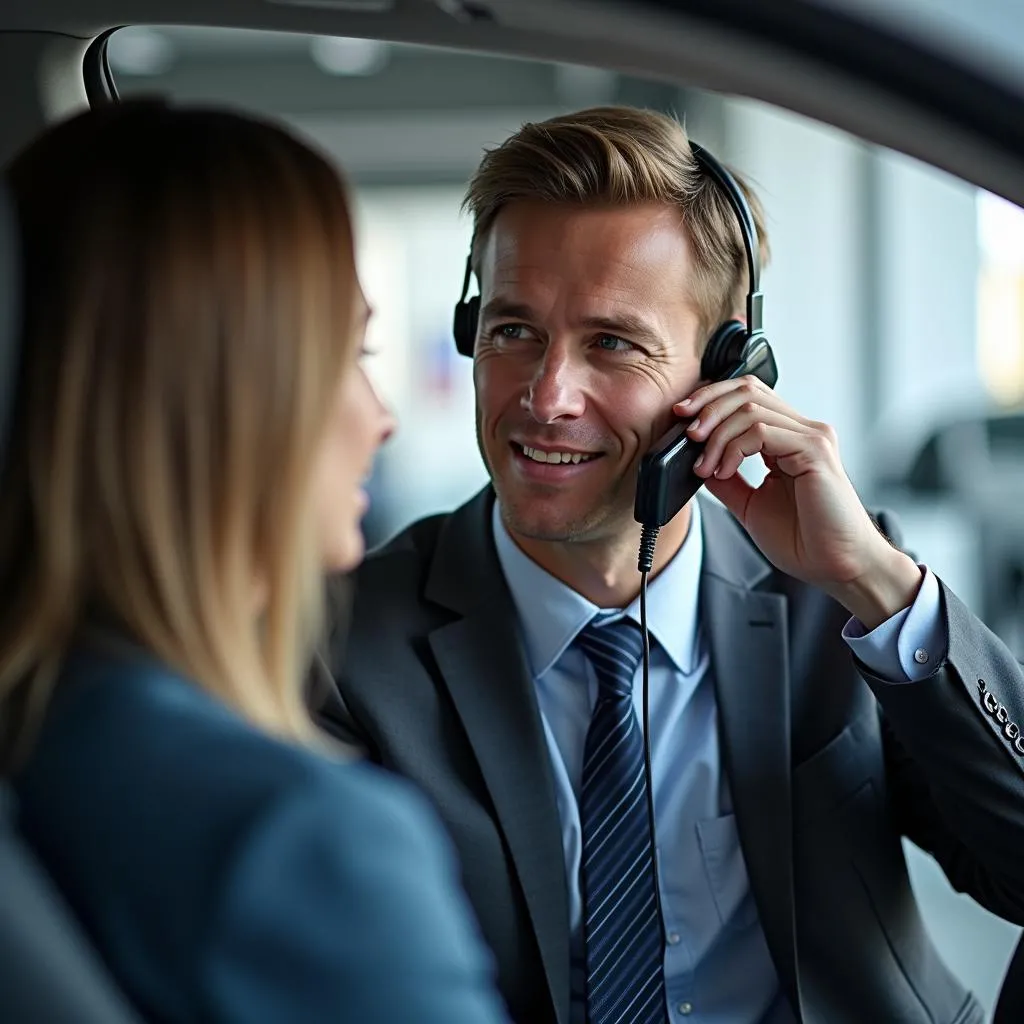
(645,561)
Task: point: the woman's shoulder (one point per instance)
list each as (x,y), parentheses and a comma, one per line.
(135,765)
(132,732)
(151,802)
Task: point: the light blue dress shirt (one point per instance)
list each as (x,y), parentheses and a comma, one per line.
(713,934)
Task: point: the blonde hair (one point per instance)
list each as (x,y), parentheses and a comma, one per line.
(623,156)
(189,284)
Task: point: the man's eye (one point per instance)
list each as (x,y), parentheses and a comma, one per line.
(511,332)
(612,343)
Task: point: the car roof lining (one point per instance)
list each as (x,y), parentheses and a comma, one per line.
(690,48)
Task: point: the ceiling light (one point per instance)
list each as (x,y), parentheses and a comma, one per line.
(141,51)
(338,55)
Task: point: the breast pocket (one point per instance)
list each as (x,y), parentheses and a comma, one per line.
(833,774)
(726,871)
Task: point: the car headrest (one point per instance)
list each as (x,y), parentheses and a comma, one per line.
(10,313)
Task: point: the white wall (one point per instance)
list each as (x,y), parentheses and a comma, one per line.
(928,320)
(929,276)
(412,254)
(807,178)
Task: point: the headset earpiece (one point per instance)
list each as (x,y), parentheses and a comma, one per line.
(467,315)
(464,325)
(724,350)
(733,351)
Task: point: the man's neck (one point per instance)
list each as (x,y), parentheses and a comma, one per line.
(605,571)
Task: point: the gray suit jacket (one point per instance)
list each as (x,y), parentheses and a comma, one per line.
(828,766)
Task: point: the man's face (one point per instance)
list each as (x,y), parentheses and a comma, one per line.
(587,337)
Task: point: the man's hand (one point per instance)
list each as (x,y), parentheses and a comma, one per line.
(805,516)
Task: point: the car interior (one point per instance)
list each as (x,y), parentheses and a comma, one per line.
(888,139)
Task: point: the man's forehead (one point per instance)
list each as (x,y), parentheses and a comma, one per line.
(621,255)
(638,236)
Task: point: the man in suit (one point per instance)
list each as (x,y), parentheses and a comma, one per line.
(814,693)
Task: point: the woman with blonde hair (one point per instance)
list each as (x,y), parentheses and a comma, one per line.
(190,434)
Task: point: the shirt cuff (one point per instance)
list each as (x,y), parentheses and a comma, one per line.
(909,646)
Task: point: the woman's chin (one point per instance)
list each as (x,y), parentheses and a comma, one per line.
(347,552)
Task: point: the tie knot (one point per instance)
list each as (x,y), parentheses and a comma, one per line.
(614,649)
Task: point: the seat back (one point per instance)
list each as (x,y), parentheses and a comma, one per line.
(48,971)
(10,315)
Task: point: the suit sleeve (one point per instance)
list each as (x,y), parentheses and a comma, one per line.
(343,906)
(955,760)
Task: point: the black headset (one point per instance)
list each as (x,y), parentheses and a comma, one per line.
(733,346)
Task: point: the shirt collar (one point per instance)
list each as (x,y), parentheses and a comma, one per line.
(552,614)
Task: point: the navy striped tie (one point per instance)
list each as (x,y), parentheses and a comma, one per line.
(622,929)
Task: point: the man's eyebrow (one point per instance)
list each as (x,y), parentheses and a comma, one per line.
(627,324)
(502,309)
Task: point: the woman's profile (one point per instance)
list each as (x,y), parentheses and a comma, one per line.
(191,430)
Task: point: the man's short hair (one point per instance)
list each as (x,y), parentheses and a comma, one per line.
(621,156)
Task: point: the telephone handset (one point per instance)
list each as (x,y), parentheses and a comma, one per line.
(666,481)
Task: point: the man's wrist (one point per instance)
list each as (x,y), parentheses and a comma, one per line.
(882,592)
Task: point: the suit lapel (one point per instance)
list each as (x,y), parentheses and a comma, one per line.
(747,633)
(482,662)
